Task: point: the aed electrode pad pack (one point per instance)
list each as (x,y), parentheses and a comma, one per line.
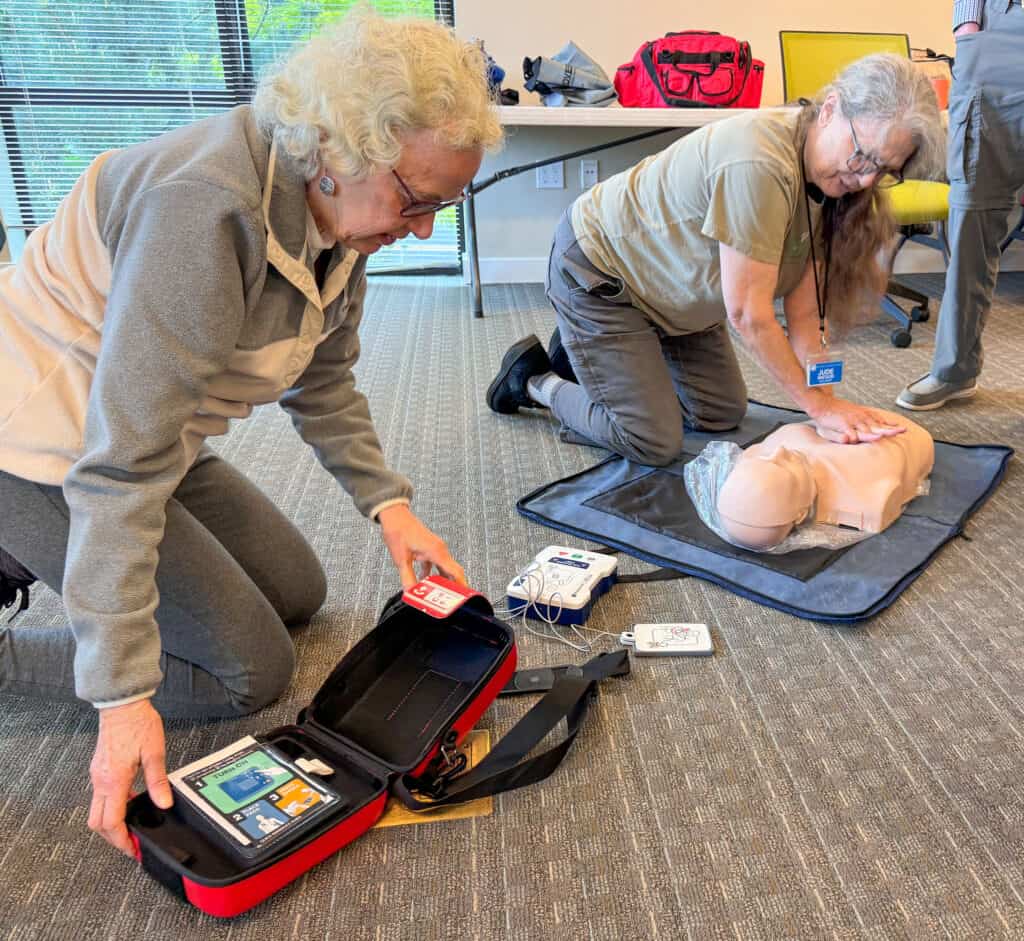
(669,640)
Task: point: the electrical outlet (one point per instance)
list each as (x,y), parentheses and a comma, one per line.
(551,177)
(588,173)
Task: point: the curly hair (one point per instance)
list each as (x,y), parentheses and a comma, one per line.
(349,95)
(886,88)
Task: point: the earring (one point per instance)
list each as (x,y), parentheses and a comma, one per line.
(327,185)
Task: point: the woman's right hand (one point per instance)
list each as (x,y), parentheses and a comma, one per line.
(130,736)
(848,423)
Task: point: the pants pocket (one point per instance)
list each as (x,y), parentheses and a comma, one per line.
(994,9)
(965,129)
(580,277)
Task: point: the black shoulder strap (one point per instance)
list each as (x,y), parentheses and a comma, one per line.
(541,679)
(503,769)
(654,575)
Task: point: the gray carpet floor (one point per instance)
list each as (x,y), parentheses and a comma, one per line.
(807,781)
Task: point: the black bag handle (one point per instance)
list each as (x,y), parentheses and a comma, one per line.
(714,59)
(504,769)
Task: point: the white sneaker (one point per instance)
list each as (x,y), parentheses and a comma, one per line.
(928,393)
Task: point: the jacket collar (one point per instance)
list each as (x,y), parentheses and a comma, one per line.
(284,213)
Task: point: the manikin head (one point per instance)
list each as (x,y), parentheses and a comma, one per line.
(765,496)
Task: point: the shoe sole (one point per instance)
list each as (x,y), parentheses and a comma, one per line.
(931,406)
(509,360)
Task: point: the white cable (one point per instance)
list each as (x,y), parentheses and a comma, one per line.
(531,579)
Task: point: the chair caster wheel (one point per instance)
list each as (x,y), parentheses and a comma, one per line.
(900,338)
(920,314)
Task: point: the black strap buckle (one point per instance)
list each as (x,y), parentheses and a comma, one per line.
(450,763)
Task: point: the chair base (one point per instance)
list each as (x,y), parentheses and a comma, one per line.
(1016,233)
(919,313)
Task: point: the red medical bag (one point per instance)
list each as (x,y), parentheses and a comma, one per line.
(691,69)
(386,720)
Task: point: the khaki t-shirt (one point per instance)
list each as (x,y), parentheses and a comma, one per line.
(658,225)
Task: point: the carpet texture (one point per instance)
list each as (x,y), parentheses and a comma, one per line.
(807,781)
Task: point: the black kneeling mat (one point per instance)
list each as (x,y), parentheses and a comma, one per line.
(658,501)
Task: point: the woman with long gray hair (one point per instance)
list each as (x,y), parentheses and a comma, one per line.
(183,281)
(649,267)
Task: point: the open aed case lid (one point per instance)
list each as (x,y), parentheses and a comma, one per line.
(419,681)
(396,697)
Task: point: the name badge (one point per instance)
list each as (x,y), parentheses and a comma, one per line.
(827,372)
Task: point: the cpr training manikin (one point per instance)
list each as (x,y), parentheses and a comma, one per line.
(795,476)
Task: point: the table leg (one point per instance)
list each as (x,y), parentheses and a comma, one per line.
(474,257)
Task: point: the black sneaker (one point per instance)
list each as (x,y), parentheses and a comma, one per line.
(560,364)
(507,393)
(14,580)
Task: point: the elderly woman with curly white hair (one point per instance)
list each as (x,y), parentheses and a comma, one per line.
(180,283)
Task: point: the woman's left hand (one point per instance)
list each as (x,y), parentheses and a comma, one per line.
(409,541)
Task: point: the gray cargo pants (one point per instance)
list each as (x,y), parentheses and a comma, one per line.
(986,167)
(234,574)
(638,387)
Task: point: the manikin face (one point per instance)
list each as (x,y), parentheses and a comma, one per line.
(366,214)
(795,493)
(835,142)
(765,496)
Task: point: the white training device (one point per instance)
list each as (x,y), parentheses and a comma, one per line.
(669,640)
(561,584)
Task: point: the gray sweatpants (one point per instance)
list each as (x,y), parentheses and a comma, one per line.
(638,387)
(234,574)
(986,167)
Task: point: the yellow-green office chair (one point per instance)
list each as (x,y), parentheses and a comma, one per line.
(810,60)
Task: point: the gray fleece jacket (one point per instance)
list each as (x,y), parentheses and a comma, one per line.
(172,291)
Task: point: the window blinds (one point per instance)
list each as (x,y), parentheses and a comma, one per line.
(78,77)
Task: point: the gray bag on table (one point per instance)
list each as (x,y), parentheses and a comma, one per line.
(570,78)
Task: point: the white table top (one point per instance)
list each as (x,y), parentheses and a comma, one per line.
(612,116)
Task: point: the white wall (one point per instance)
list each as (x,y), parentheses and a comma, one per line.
(612,30)
(514,219)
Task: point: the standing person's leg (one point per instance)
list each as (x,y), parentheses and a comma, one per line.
(226,648)
(970,284)
(708,379)
(986,138)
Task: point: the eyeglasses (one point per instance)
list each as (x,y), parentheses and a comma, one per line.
(863,165)
(423,207)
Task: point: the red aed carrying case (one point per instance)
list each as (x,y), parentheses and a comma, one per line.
(386,721)
(691,69)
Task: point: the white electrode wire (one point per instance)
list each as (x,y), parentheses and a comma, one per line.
(532,581)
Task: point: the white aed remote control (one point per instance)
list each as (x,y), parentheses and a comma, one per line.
(669,640)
